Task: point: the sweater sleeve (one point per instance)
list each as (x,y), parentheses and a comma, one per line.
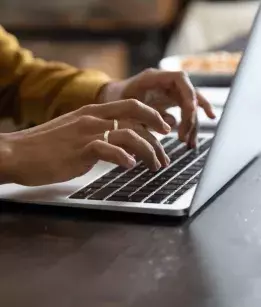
(33,91)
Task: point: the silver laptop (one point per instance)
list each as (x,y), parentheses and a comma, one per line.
(191,179)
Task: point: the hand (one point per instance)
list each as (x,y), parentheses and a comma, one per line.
(70,145)
(169,89)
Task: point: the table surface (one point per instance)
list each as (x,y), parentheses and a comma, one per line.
(67,257)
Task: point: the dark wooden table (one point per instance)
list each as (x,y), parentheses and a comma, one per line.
(55,257)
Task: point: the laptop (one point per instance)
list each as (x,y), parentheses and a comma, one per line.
(192,178)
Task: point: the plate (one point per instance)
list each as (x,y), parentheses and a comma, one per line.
(219,67)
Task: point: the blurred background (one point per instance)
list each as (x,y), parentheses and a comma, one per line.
(122,37)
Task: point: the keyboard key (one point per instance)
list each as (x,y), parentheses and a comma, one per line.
(175,182)
(155,199)
(195,180)
(166,140)
(138,182)
(128,189)
(82,194)
(102,193)
(171,146)
(177,154)
(114,184)
(116,171)
(171,200)
(177,195)
(137,197)
(183,190)
(159,196)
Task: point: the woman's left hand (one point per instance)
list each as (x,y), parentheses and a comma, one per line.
(162,90)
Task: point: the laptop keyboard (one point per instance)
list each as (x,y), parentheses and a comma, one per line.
(139,184)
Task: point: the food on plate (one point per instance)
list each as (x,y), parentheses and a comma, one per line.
(219,62)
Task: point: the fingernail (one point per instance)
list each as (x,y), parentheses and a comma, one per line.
(183,138)
(191,145)
(157,165)
(167,159)
(169,120)
(131,161)
(166,127)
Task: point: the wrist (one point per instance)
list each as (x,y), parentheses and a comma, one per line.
(112,91)
(6,157)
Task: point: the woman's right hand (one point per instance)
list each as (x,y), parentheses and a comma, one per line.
(67,147)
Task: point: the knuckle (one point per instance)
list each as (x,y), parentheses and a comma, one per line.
(135,104)
(129,133)
(182,74)
(157,115)
(192,92)
(149,71)
(151,149)
(189,107)
(157,143)
(90,118)
(120,152)
(94,146)
(82,122)
(136,127)
(86,109)
(85,121)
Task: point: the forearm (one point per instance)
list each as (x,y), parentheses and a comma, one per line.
(48,91)
(33,90)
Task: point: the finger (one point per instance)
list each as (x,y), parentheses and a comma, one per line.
(143,132)
(188,105)
(130,109)
(192,137)
(183,94)
(159,99)
(183,130)
(206,106)
(134,144)
(137,145)
(181,91)
(94,125)
(179,88)
(100,150)
(160,152)
(186,126)
(170,119)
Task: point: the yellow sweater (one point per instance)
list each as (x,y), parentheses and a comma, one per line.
(33,91)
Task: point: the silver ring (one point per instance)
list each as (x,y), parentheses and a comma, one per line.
(106,136)
(115,124)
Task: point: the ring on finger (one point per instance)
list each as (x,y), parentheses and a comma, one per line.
(106,136)
(115,124)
